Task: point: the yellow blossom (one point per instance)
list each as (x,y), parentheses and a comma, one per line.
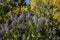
(53,1)
(24,9)
(56,15)
(17,10)
(57,3)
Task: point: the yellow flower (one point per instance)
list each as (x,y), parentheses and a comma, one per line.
(35,6)
(21,9)
(53,1)
(58,3)
(56,16)
(24,9)
(17,10)
(57,13)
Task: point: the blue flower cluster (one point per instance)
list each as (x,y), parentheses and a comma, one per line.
(27,25)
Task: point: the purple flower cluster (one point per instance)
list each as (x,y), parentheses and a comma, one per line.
(21,20)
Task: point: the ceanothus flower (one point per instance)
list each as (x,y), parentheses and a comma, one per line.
(41,20)
(22,25)
(47,20)
(13,22)
(35,19)
(15,18)
(6,24)
(21,17)
(28,16)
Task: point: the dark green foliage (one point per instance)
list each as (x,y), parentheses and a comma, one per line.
(58,32)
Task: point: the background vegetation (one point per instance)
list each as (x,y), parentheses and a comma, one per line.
(39,20)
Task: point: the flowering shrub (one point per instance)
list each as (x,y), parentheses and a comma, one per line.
(22,23)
